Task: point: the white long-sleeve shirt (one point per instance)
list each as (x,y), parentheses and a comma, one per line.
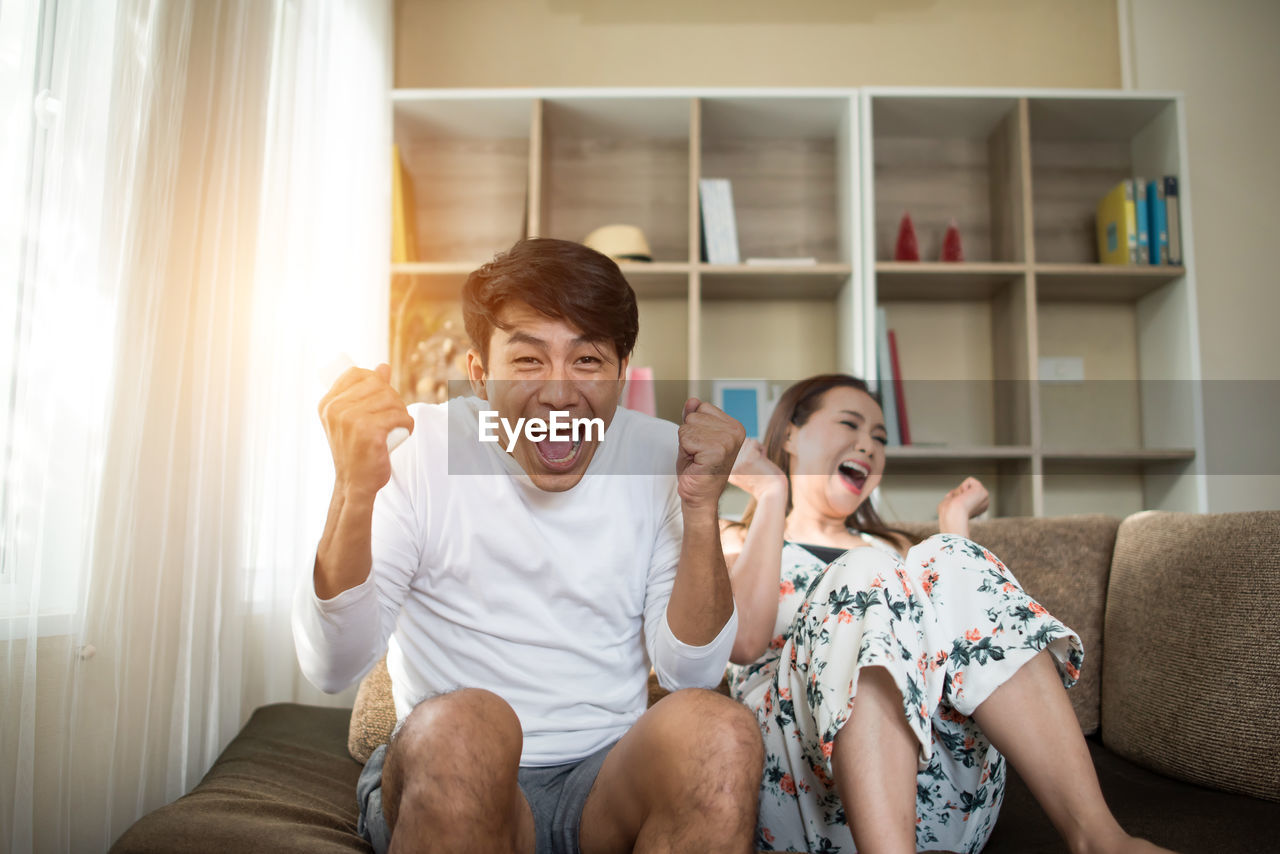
(556,602)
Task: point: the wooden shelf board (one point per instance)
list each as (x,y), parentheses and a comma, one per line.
(943,454)
(759,282)
(1137,456)
(917,280)
(1101,282)
(657,279)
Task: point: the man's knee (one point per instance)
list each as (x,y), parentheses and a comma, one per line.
(720,734)
(465,729)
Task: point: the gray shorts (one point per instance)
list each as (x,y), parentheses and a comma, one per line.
(556,794)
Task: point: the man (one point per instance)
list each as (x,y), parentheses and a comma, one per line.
(522,581)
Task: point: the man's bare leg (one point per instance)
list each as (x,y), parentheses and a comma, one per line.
(874,760)
(686,777)
(450,778)
(1029,719)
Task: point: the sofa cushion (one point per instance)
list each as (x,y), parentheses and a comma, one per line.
(1191,681)
(285,783)
(1168,812)
(373,718)
(1063,563)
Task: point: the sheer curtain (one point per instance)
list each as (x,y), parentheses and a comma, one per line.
(194,217)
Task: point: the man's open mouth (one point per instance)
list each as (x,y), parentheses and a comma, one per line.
(559,456)
(854,475)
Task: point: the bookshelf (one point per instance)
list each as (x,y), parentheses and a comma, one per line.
(827,173)
(1022,173)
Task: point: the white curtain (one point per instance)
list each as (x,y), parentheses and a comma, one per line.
(194,218)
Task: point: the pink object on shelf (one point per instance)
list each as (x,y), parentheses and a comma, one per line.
(951,248)
(640,394)
(907,248)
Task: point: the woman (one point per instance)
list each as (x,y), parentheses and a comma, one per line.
(951,663)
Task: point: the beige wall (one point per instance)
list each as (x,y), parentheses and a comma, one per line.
(500,43)
(1223,57)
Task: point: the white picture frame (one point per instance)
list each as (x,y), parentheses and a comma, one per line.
(745,400)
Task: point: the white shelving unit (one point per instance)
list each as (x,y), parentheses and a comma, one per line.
(827,173)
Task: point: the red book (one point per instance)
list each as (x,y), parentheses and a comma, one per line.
(899,395)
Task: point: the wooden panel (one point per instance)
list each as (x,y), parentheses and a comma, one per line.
(1068,180)
(469,195)
(1101,282)
(935,181)
(1013,322)
(661,347)
(641,182)
(734,332)
(945,351)
(785,198)
(821,282)
(1102,411)
(925,281)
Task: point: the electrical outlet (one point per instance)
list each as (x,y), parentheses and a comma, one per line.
(1062,369)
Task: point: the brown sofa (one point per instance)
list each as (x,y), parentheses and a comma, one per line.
(1180,617)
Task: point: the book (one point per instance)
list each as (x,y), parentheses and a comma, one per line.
(899,393)
(1157,222)
(884,377)
(1171,216)
(1143,213)
(719,229)
(403,238)
(1117,225)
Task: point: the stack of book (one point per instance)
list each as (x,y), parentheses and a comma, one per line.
(1138,223)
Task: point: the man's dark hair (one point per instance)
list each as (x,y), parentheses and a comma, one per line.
(561,279)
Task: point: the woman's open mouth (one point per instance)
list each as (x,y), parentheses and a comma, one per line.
(854,475)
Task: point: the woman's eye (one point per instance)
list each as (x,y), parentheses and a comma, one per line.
(883,440)
(850,425)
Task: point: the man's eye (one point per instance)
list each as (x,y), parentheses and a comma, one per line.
(590,360)
(526,360)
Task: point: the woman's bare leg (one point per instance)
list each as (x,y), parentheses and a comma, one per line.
(1029,719)
(874,760)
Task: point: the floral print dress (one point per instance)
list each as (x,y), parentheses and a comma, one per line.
(950,623)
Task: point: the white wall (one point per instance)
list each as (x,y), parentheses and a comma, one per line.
(1223,57)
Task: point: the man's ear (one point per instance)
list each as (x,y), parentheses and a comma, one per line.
(622,377)
(476,373)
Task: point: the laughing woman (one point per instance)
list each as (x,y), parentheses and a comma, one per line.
(890,679)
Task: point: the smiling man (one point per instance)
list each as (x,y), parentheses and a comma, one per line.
(522,588)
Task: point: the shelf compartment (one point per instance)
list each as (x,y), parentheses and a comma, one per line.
(945,158)
(736,332)
(1101,282)
(617,160)
(788,161)
(912,280)
(912,490)
(663,345)
(1080,149)
(467,163)
(744,282)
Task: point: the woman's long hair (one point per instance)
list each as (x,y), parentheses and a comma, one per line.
(796,405)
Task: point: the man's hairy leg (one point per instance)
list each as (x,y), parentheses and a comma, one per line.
(686,777)
(450,778)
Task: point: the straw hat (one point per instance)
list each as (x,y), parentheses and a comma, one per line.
(620,242)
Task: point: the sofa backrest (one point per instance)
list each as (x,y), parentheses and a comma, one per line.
(1191,681)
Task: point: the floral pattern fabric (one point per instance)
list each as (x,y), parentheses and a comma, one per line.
(950,623)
